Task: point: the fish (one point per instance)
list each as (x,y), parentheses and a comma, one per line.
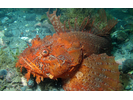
(76,55)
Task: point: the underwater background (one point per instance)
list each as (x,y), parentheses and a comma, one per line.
(18,26)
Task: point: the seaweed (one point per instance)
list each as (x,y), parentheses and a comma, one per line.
(43,17)
(72,13)
(3,58)
(3,84)
(8,58)
(15,55)
(81,13)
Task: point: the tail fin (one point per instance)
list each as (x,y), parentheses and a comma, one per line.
(97,72)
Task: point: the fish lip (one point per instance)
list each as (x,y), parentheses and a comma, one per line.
(31,65)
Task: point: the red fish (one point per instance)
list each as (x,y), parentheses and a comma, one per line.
(76,55)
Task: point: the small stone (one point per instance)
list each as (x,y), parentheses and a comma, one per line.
(10,75)
(30,83)
(30,17)
(128,87)
(23,88)
(3,73)
(8,33)
(4,19)
(24,81)
(127,65)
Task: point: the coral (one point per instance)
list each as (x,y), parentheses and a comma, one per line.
(76,55)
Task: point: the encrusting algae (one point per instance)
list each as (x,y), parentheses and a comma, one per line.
(76,55)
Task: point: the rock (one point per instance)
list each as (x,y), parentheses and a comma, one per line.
(127,87)
(2,33)
(4,20)
(127,66)
(17,79)
(30,17)
(2,14)
(23,88)
(17,43)
(119,36)
(10,75)
(3,73)
(8,34)
(6,40)
(30,83)
(10,89)
(24,81)
(11,20)
(120,61)
(49,26)
(26,39)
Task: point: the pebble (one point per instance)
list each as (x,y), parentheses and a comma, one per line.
(4,20)
(3,73)
(30,17)
(128,87)
(127,65)
(9,76)
(30,83)
(23,88)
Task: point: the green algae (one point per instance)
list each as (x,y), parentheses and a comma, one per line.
(72,13)
(8,60)
(99,16)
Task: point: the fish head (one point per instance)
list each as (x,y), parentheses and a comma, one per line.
(52,57)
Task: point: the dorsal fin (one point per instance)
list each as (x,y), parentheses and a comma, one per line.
(109,24)
(87,24)
(58,26)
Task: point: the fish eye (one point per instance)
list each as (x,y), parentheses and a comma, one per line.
(45,52)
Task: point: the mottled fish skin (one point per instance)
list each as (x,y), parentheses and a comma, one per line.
(77,56)
(97,72)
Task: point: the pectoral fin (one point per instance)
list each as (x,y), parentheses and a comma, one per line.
(97,72)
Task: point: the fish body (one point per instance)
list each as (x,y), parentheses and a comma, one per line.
(73,55)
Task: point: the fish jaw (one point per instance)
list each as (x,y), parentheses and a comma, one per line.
(51,57)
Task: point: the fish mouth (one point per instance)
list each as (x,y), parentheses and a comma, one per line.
(35,69)
(31,66)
